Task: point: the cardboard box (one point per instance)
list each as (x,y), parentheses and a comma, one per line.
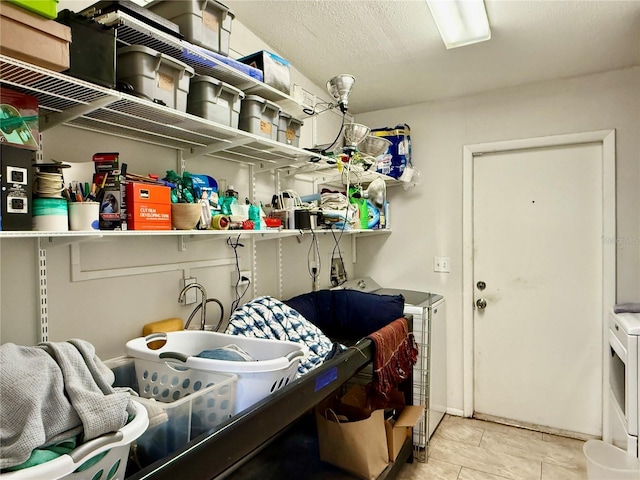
(276,71)
(148,206)
(18,119)
(17,183)
(113,207)
(33,39)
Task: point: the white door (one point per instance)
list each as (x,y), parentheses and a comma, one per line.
(537,245)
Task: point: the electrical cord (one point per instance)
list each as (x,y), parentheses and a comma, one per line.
(314,271)
(235,245)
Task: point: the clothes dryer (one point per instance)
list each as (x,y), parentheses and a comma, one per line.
(430,371)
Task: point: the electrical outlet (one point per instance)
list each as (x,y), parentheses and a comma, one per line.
(338,274)
(191,295)
(245,278)
(441,264)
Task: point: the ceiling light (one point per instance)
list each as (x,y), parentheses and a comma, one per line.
(460,22)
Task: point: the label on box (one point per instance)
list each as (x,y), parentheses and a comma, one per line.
(290,134)
(265,127)
(165,82)
(148,206)
(106,162)
(210,21)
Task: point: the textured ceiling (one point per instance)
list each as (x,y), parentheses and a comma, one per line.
(394,50)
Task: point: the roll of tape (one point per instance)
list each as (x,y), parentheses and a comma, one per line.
(220,222)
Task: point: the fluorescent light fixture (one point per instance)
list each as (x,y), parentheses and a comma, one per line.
(460,22)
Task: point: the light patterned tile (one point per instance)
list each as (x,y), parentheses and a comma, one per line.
(495,463)
(470,474)
(432,470)
(533,449)
(566,441)
(494,427)
(558,472)
(460,432)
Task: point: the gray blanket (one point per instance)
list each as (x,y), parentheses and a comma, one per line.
(53,392)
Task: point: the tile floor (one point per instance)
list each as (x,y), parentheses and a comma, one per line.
(469,449)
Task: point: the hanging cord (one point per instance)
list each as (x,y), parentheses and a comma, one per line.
(314,271)
(235,245)
(344,114)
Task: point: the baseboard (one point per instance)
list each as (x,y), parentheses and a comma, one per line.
(456,412)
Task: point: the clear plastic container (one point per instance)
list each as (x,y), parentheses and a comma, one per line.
(608,462)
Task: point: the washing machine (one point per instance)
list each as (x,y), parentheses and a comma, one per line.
(430,371)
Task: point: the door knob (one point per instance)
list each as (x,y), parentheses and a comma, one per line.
(481,303)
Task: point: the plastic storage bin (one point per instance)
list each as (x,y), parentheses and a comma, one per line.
(289,129)
(92,52)
(154,75)
(180,406)
(607,462)
(111,466)
(214,100)
(259,116)
(275,362)
(203,22)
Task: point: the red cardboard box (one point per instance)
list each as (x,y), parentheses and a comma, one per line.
(148,206)
(18,119)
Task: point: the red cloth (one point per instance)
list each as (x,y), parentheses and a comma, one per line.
(396,354)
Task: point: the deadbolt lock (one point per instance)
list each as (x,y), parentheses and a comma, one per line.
(481,285)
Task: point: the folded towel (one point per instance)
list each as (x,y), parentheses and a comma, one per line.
(396,354)
(627,308)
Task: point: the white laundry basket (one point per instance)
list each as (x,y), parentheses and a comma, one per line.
(608,462)
(111,466)
(275,361)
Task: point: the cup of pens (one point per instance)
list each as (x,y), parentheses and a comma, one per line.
(84,216)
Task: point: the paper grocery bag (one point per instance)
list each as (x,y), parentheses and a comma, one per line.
(359,447)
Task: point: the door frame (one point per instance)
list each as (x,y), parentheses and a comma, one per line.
(607,139)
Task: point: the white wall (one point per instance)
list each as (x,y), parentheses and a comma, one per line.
(427,220)
(108,312)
